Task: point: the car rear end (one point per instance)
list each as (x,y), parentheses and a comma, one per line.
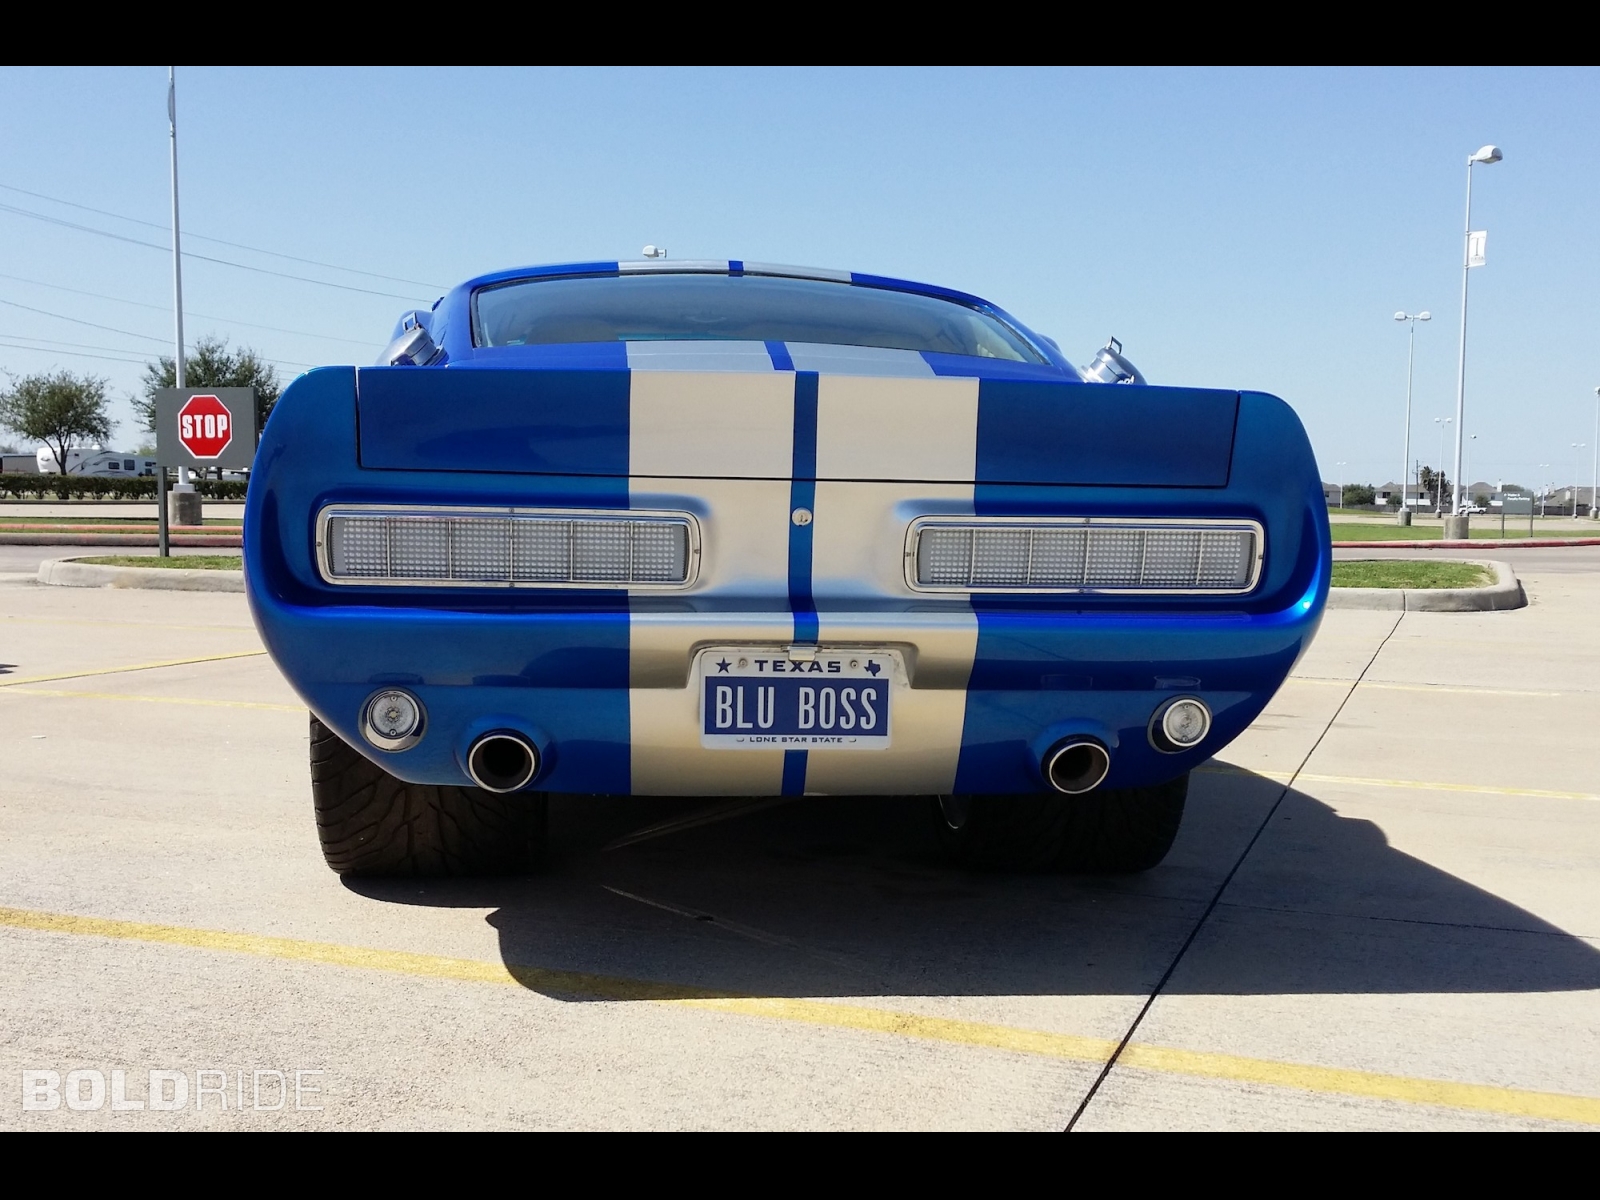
(765,569)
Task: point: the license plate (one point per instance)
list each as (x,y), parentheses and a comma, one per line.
(758,699)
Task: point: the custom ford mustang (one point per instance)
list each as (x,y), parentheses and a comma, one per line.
(720,528)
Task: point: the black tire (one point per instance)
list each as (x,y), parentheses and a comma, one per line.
(371,823)
(1115,831)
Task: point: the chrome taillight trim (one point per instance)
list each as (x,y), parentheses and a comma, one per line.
(1203,524)
(453,513)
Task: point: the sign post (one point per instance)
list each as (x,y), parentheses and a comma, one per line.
(200,427)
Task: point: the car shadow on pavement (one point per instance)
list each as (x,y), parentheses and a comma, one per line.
(848,896)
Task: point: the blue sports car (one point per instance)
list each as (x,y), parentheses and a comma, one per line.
(726,528)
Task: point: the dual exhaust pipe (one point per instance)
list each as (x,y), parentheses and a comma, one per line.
(1079,764)
(502,762)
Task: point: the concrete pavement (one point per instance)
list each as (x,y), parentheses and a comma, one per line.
(1382,912)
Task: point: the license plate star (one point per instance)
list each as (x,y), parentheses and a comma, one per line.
(722,667)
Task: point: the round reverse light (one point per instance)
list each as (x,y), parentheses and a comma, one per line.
(392,720)
(1181,725)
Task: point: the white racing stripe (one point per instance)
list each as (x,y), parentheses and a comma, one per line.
(889,429)
(699,356)
(696,429)
(709,426)
(860,360)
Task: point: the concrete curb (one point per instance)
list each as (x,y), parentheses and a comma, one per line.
(1504,593)
(220,541)
(66,573)
(1480,544)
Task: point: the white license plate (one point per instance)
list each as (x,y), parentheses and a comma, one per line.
(761,698)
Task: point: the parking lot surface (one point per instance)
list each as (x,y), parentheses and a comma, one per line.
(1382,912)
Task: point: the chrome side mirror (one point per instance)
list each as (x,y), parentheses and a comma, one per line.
(413,348)
(1109,366)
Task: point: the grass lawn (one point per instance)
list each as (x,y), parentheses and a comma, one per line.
(1410,573)
(191,562)
(1352,532)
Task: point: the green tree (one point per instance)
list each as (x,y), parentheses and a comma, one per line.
(1435,484)
(212,364)
(60,410)
(1356,494)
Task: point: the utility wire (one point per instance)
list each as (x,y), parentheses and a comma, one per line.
(222,241)
(22,342)
(145,337)
(71,353)
(117,237)
(167,308)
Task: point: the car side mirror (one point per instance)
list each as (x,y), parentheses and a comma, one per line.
(413,348)
(1109,366)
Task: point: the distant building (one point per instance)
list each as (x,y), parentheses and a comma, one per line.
(1389,494)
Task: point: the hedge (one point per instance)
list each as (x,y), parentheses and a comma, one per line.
(20,486)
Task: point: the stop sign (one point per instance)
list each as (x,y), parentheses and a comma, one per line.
(205,426)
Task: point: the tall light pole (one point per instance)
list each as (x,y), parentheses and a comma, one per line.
(1438,485)
(1467,495)
(1577,461)
(1594,480)
(1544,492)
(1471,256)
(1403,517)
(1341,486)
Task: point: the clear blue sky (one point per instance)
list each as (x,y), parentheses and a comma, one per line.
(1234,228)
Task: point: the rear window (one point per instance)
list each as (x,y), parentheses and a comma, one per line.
(732,308)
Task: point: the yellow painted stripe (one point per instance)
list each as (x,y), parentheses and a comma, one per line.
(1420,687)
(149,666)
(66,695)
(1418,785)
(1554,1106)
(1513,1102)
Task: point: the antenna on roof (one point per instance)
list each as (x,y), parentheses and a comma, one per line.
(654,252)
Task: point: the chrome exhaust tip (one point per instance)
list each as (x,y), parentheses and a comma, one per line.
(1077,765)
(502,762)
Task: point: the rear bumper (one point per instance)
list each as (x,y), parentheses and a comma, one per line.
(610,700)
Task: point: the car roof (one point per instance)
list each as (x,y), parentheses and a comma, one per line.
(661,266)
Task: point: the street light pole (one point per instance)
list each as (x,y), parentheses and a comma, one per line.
(1577,461)
(163,521)
(1487,154)
(1438,485)
(1341,487)
(1594,480)
(1403,517)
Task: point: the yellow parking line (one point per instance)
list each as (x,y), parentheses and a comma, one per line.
(149,666)
(1553,1106)
(1418,785)
(62,694)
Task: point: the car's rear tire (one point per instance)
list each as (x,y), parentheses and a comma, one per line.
(371,823)
(1110,831)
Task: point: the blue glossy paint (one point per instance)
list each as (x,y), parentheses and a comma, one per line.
(1098,434)
(548,426)
(1041,664)
(550,421)
(803,494)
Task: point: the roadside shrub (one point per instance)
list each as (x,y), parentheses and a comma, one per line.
(221,489)
(18,485)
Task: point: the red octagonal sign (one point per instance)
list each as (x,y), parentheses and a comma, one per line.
(205,426)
